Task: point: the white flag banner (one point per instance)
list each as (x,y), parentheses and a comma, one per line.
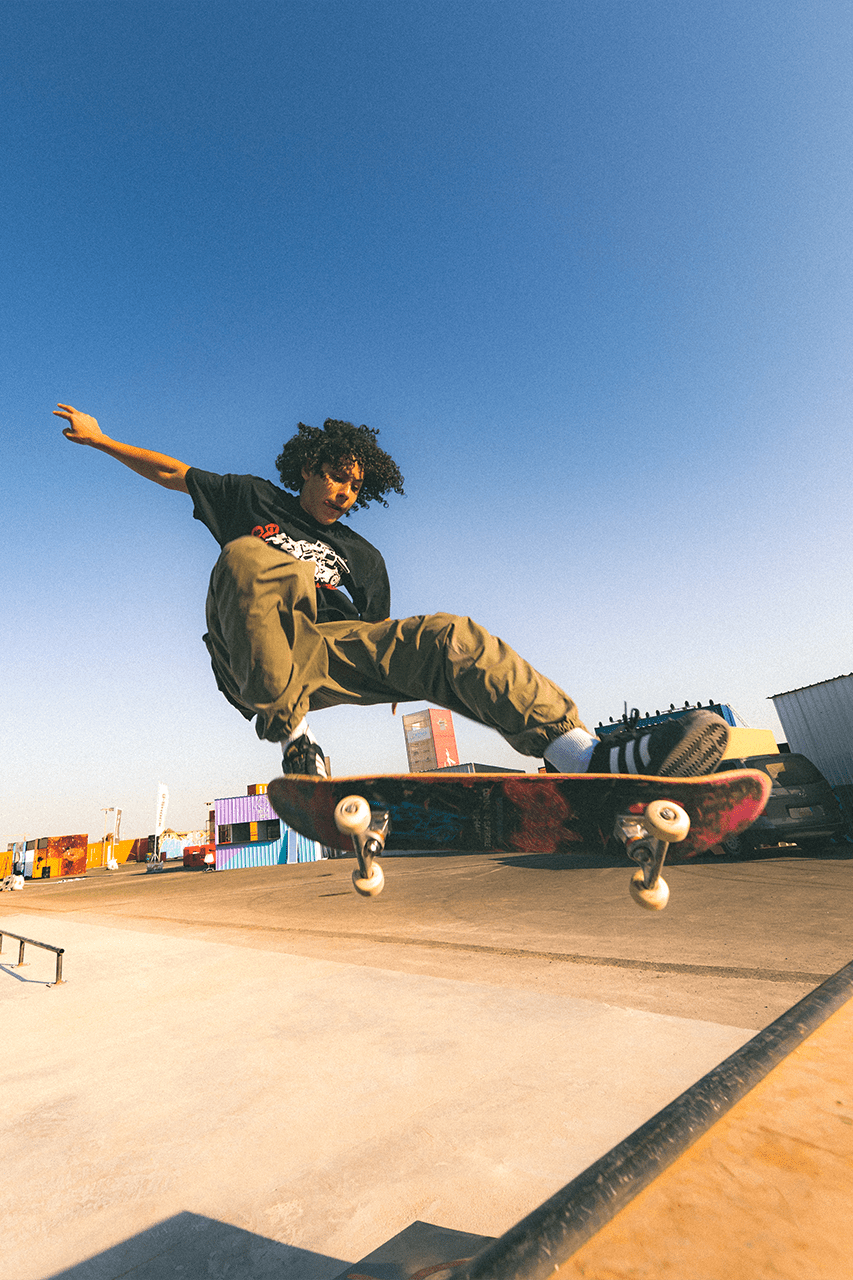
(162,806)
(117,828)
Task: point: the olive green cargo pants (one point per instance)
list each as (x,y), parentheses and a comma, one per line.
(275,662)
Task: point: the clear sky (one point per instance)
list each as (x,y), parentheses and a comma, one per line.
(586,266)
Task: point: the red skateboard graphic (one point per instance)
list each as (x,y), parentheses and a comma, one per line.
(522,813)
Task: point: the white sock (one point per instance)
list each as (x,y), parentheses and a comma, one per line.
(572,751)
(302,727)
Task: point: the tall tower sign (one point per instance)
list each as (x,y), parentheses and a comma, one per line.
(430,740)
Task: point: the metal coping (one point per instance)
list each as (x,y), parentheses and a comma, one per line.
(548,1236)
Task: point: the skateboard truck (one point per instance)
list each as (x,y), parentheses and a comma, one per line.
(368,829)
(647,835)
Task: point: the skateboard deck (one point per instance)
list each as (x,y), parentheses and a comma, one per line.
(518,812)
(521,813)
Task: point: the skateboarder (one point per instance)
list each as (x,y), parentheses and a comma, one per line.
(298,616)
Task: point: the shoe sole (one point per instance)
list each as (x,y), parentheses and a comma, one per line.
(700,750)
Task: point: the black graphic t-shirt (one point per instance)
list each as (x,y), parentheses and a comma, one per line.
(232,506)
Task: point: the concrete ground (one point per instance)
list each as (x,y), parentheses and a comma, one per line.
(258,1074)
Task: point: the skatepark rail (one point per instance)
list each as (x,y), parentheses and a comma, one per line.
(31,942)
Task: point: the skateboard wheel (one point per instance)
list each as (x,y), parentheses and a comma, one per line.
(375,882)
(352,816)
(654,899)
(666,821)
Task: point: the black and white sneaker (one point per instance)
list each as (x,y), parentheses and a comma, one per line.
(304,756)
(681,748)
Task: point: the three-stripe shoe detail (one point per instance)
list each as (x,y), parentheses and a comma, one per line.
(623,759)
(684,746)
(304,756)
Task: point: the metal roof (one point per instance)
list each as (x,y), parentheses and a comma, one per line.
(809,686)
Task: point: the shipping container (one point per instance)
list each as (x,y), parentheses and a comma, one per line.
(200,857)
(270,853)
(249,833)
(57,856)
(124,849)
(100,852)
(171,848)
(255,808)
(818,723)
(17,848)
(28,858)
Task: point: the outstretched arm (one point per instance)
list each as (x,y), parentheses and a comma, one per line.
(84,429)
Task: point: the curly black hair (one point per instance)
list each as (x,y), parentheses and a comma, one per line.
(340,442)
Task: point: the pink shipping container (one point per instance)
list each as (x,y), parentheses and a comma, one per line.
(244,809)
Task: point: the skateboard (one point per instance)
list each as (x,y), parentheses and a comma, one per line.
(522,813)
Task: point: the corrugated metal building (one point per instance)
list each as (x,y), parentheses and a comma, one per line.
(249,833)
(818,723)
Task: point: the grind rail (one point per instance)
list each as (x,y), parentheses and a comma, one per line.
(45,946)
(538,1245)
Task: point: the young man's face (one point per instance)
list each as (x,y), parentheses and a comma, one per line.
(329,494)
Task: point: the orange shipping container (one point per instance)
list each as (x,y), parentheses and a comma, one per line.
(58,856)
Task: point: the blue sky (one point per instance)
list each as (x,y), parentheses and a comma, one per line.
(587,267)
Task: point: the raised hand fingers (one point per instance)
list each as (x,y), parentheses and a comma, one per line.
(82,427)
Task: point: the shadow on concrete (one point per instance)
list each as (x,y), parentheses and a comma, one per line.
(615,856)
(422,1250)
(564,861)
(842,852)
(9,970)
(197,1248)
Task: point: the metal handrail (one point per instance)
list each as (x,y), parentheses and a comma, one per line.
(45,946)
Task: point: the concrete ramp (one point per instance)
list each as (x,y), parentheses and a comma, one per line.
(749,1173)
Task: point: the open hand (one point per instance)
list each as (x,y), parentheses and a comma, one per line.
(82,427)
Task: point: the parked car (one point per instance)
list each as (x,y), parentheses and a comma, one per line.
(802,808)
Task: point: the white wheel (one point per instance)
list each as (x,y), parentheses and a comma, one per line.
(652,899)
(352,816)
(666,821)
(370,887)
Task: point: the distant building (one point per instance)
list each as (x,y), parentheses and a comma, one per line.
(430,740)
(818,723)
(249,833)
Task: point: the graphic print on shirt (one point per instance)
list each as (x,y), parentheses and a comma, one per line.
(329,567)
